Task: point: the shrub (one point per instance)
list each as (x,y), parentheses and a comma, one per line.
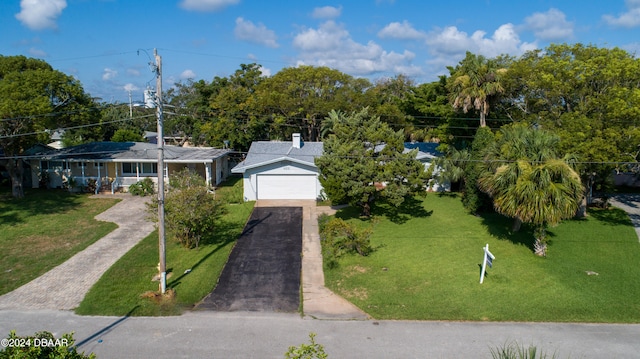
(190,209)
(516,351)
(142,188)
(91,185)
(307,351)
(42,345)
(340,238)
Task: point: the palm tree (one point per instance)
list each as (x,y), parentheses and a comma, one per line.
(528,182)
(474,83)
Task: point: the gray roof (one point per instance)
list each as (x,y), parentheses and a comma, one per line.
(426,150)
(266,152)
(131,152)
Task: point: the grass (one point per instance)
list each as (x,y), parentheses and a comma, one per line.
(121,290)
(427,267)
(44,229)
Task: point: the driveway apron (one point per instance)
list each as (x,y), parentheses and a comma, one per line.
(263,270)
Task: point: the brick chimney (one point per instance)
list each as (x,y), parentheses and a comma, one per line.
(296,140)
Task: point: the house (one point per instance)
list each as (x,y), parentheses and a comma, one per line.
(286,170)
(117,165)
(281,170)
(426,154)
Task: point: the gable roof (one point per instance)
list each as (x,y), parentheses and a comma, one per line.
(130,152)
(262,153)
(426,150)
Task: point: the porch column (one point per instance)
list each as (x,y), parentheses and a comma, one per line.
(207,167)
(115,179)
(83,164)
(99,181)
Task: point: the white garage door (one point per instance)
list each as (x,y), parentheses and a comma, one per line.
(286,187)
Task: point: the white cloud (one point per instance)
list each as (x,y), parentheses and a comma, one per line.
(629,19)
(40,14)
(403,31)
(187,74)
(550,25)
(109,74)
(265,71)
(451,41)
(130,87)
(449,45)
(37,52)
(133,72)
(257,34)
(332,46)
(326,12)
(206,5)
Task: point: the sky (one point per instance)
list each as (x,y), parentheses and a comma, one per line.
(108,44)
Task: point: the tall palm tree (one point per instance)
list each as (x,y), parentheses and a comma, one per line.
(474,83)
(528,182)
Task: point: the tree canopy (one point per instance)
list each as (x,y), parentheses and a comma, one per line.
(365,160)
(35,98)
(528,181)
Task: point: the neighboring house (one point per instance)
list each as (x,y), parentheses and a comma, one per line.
(426,154)
(281,170)
(117,165)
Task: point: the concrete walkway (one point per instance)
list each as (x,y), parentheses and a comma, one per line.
(318,301)
(65,286)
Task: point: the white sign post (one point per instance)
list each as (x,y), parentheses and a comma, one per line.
(488,259)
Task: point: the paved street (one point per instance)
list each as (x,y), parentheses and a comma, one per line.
(209,334)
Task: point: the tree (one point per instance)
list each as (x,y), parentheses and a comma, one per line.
(35,98)
(126,135)
(364,160)
(297,99)
(588,96)
(474,84)
(473,199)
(528,182)
(190,210)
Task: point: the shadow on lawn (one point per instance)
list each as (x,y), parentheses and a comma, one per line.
(36,202)
(613,216)
(225,233)
(500,226)
(410,208)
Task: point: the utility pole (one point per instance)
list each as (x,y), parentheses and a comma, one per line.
(161,235)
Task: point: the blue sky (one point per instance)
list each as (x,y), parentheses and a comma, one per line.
(97,41)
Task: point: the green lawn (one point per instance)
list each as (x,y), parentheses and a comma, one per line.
(43,230)
(120,290)
(427,267)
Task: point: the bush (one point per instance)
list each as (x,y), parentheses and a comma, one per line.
(190,209)
(339,238)
(92,184)
(142,188)
(517,351)
(307,351)
(42,345)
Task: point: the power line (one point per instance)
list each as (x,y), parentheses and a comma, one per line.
(74,127)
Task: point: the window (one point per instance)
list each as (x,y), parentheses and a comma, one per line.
(144,168)
(98,164)
(149,168)
(129,168)
(58,165)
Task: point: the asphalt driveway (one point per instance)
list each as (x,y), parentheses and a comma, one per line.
(263,271)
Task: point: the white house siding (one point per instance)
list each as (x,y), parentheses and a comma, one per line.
(281,180)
